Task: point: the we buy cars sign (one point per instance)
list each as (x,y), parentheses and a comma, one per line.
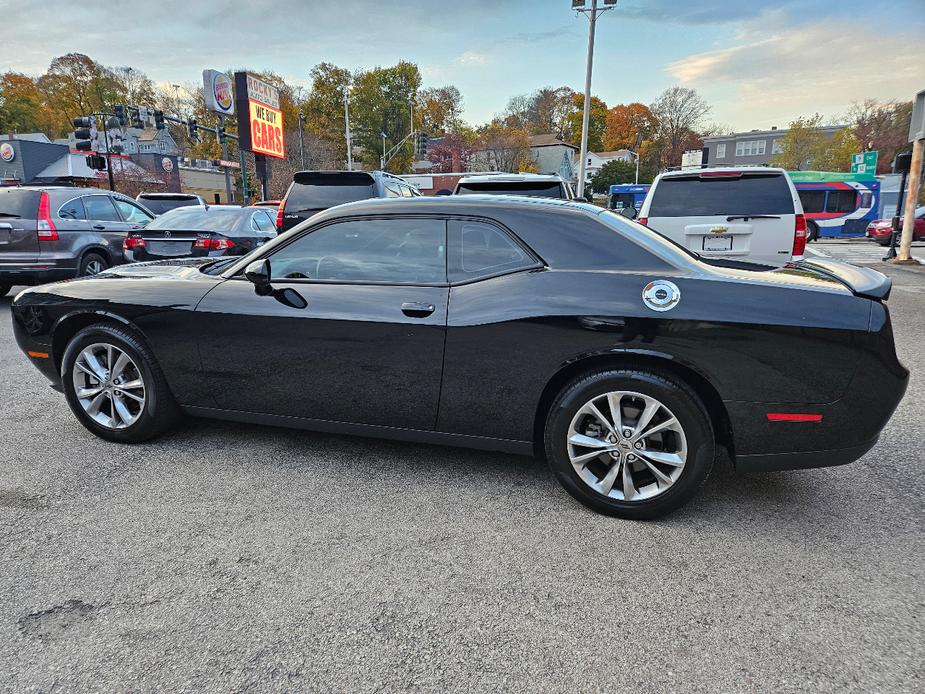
(260,121)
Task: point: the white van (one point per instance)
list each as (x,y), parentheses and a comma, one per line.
(750,213)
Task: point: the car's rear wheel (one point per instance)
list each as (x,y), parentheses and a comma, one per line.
(114,386)
(633,444)
(5,289)
(92,264)
(812,232)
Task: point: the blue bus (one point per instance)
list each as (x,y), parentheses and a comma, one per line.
(627,195)
(837,205)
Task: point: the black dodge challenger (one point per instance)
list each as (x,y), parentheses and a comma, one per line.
(511,324)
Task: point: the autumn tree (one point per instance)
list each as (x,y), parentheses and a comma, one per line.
(440,110)
(835,154)
(22,106)
(613,173)
(381,103)
(452,151)
(544,111)
(133,87)
(628,126)
(76,85)
(500,147)
(882,127)
(678,112)
(597,122)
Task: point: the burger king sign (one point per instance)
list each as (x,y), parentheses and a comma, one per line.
(217,90)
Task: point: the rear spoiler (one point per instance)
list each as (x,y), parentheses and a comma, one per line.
(862,281)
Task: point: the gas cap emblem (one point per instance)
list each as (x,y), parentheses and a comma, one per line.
(661,295)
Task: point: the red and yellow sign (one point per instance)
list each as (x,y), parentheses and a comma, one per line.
(266,129)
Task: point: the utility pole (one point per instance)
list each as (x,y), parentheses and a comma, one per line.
(104,118)
(301,140)
(223,139)
(382,158)
(347,128)
(592,14)
(915,181)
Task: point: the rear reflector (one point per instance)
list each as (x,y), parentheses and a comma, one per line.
(792,417)
(799,235)
(38,355)
(45,228)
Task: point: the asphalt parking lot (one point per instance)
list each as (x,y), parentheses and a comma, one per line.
(227,557)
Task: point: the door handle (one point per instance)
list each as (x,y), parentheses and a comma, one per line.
(99,227)
(417,309)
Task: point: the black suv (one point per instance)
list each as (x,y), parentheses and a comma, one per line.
(54,233)
(313,191)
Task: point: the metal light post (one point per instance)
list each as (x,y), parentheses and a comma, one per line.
(347,128)
(592,14)
(301,140)
(635,154)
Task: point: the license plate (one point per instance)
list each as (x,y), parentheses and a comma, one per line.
(170,247)
(717,243)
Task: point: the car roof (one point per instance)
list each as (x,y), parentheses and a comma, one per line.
(510,178)
(169,196)
(723,169)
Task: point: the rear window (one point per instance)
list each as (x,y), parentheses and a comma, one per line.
(19,203)
(162,205)
(197,219)
(553,189)
(319,191)
(691,196)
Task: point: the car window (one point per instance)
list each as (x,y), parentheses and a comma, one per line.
(261,221)
(100,208)
(319,190)
(131,212)
(552,189)
(841,201)
(812,200)
(198,219)
(160,205)
(392,190)
(478,249)
(397,251)
(692,196)
(406,192)
(72,209)
(17,202)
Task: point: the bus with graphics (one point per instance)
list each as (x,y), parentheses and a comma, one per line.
(836,205)
(624,195)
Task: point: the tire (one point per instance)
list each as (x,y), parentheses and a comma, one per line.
(152,417)
(92,264)
(650,496)
(813,232)
(883,242)
(5,289)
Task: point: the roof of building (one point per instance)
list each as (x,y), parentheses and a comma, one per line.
(613,154)
(148,134)
(767,133)
(549,140)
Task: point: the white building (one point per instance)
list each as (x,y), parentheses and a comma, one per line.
(597,159)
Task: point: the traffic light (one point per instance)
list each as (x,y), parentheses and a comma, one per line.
(96,161)
(159,120)
(220,133)
(420,144)
(136,119)
(83,133)
(120,114)
(191,128)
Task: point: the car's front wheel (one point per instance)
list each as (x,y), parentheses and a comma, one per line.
(92,264)
(633,444)
(114,386)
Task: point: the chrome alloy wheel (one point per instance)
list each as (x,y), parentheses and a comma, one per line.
(627,446)
(95,267)
(109,386)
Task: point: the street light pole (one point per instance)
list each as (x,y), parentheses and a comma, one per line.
(347,128)
(586,114)
(301,140)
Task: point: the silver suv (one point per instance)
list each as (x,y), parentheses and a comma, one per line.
(54,233)
(529,184)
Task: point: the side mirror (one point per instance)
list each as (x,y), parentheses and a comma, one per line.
(629,212)
(258,273)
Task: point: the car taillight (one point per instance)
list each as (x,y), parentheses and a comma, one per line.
(133,242)
(211,243)
(799,235)
(279,215)
(45,228)
(642,220)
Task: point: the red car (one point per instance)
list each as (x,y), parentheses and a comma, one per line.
(879,229)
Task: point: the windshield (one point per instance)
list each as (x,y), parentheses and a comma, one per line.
(692,196)
(196,219)
(162,205)
(533,189)
(319,191)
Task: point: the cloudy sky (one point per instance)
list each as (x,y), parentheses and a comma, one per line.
(758,63)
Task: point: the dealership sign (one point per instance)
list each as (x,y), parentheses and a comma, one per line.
(260,121)
(216,86)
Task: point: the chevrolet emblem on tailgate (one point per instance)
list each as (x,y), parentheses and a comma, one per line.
(719,230)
